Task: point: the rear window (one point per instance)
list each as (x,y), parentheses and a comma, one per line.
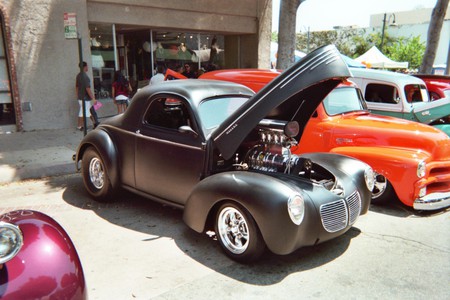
(416,93)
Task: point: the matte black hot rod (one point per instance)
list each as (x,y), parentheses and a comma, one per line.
(223,154)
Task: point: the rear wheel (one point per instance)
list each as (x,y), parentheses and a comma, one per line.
(382,191)
(238,233)
(95,176)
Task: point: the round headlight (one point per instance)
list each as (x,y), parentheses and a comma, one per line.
(11,240)
(369,177)
(296,208)
(421,169)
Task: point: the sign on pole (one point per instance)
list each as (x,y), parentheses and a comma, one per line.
(70,25)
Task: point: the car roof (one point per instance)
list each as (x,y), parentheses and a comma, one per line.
(389,76)
(196,90)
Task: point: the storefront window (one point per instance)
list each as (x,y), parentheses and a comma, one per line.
(199,51)
(103,61)
(7,116)
(139,52)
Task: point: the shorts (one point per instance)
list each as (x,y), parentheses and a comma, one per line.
(121,99)
(87,110)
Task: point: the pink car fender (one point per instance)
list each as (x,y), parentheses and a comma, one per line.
(46,266)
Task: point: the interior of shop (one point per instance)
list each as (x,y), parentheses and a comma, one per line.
(137,52)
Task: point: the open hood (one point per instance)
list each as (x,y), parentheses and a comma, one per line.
(303,86)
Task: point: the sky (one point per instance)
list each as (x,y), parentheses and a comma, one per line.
(325,14)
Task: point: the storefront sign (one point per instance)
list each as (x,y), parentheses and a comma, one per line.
(70,25)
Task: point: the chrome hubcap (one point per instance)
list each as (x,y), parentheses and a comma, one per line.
(96,173)
(233,230)
(380,186)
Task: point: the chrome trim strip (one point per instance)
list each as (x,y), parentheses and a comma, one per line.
(138,134)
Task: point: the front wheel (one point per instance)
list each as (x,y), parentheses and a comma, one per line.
(238,233)
(382,191)
(95,176)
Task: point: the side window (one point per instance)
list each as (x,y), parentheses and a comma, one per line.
(168,113)
(413,93)
(381,93)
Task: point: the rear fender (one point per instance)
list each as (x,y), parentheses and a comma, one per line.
(101,141)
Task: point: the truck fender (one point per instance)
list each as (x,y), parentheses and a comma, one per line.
(393,163)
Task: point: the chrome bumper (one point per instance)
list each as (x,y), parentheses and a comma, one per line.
(433,201)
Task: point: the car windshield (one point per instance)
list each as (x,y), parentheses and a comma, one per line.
(213,112)
(342,100)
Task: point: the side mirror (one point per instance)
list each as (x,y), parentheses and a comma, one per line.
(187,129)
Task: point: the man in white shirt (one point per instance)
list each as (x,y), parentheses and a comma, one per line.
(158,77)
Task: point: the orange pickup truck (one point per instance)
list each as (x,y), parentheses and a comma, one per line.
(412,160)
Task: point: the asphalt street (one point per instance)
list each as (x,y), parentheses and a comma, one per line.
(138,249)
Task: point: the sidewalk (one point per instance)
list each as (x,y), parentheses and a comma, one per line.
(42,153)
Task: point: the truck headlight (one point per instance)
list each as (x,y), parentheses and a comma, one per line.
(421,169)
(296,208)
(369,177)
(11,240)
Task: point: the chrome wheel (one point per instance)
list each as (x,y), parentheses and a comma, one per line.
(233,230)
(380,186)
(96,173)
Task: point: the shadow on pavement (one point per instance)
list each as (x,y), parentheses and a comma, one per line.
(137,213)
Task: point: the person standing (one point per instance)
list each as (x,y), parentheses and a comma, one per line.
(121,89)
(158,77)
(84,93)
(188,71)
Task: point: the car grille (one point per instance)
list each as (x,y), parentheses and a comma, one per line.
(339,214)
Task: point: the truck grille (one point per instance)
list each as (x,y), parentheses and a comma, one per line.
(339,214)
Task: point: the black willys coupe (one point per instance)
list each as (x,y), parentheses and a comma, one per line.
(223,155)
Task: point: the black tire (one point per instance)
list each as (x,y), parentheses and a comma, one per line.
(95,176)
(383,192)
(238,233)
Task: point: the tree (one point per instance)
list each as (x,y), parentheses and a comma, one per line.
(434,33)
(286,32)
(410,50)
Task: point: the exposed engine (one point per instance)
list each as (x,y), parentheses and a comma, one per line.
(272,153)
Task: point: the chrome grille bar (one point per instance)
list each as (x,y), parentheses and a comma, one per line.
(339,214)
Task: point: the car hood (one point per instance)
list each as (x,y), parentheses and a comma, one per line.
(427,112)
(371,129)
(303,86)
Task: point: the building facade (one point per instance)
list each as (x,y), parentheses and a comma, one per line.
(42,43)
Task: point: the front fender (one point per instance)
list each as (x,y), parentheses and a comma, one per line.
(345,167)
(265,197)
(103,144)
(398,165)
(47,266)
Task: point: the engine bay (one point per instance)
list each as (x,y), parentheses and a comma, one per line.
(268,149)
